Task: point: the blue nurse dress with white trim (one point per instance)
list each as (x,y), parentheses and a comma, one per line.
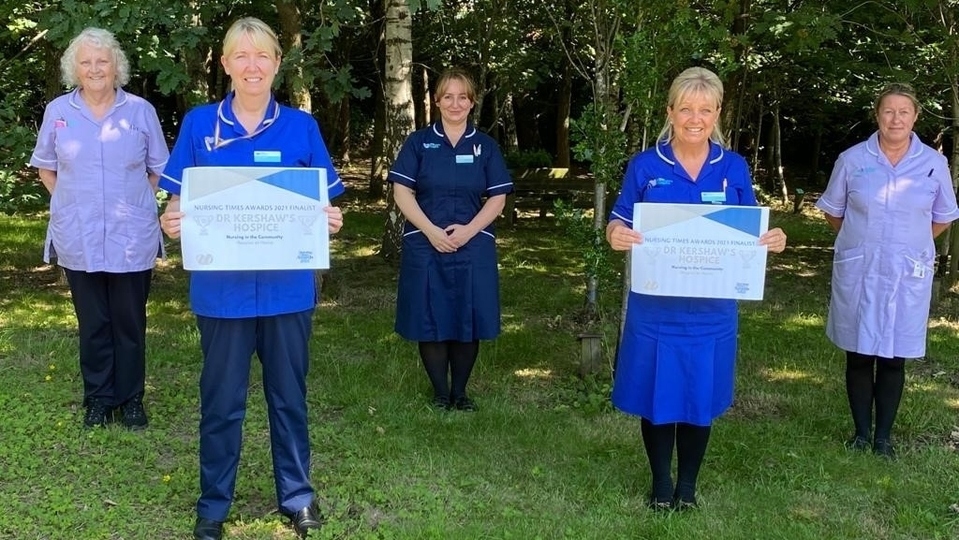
(884,252)
(677,358)
(449,296)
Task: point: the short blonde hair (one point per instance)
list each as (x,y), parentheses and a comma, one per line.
(897,89)
(261,35)
(455,74)
(695,80)
(97,38)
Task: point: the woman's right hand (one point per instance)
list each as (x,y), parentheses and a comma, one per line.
(439,239)
(170,218)
(621,237)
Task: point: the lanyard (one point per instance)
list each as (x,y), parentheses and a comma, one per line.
(215,142)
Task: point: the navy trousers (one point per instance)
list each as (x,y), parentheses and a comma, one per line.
(112,318)
(281,342)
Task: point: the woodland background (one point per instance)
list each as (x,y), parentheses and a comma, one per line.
(562,83)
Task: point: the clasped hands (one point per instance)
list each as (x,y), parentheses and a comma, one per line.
(451,238)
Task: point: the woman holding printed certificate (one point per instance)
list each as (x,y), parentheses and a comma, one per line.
(242,312)
(677,357)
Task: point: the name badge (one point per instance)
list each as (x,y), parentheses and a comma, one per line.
(266,156)
(467,158)
(714,196)
(919,270)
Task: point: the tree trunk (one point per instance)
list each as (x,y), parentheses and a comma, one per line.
(951,242)
(398,93)
(510,140)
(422,101)
(379,166)
(342,142)
(736,83)
(563,111)
(292,42)
(778,154)
(198,64)
(758,137)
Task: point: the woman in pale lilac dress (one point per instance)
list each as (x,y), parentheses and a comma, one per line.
(99,153)
(887,199)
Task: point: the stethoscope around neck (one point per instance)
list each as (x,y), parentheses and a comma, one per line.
(215,142)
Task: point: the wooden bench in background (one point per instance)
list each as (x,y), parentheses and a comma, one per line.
(538,189)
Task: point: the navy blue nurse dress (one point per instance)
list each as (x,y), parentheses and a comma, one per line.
(677,358)
(449,296)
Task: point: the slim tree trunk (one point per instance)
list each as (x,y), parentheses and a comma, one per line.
(292,42)
(510,140)
(563,111)
(342,142)
(198,64)
(422,100)
(951,243)
(398,92)
(778,154)
(758,136)
(379,166)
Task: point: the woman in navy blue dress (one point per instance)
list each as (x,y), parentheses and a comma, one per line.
(677,358)
(450,181)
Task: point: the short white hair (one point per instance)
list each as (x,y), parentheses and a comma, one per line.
(97,38)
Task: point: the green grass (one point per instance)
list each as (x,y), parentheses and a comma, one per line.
(546,457)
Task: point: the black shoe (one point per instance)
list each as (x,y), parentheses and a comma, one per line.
(98,413)
(306,520)
(441,402)
(657,504)
(464,403)
(884,448)
(207,529)
(684,498)
(133,415)
(858,444)
(682,504)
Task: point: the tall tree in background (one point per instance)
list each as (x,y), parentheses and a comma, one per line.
(292,42)
(400,116)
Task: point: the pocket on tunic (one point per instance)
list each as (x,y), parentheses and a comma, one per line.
(916,288)
(66,232)
(848,269)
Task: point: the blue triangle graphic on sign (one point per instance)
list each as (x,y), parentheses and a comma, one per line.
(747,222)
(304,182)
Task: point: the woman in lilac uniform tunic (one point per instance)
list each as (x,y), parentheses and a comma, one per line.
(677,358)
(450,181)
(99,153)
(887,199)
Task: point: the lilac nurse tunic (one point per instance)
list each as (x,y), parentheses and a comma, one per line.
(103,211)
(884,252)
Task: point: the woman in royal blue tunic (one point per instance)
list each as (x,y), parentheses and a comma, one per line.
(677,358)
(450,181)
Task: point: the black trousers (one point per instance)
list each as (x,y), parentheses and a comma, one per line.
(112,317)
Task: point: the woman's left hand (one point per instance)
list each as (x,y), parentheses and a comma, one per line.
(774,240)
(459,234)
(334,216)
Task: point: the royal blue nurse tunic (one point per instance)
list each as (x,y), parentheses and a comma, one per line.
(677,358)
(449,296)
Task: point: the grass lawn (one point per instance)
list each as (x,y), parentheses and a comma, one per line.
(546,457)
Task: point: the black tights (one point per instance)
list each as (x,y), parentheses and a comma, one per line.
(453,359)
(690,442)
(872,379)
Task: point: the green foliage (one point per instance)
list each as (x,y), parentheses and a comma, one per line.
(588,241)
(528,159)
